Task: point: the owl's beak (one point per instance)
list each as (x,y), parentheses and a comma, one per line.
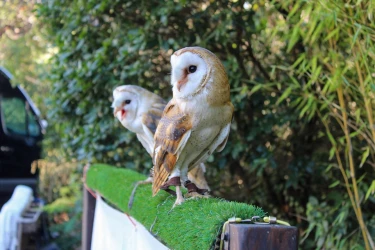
(117,109)
(181,83)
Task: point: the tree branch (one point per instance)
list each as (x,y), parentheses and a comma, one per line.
(249,49)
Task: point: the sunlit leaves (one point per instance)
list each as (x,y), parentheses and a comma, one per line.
(286,62)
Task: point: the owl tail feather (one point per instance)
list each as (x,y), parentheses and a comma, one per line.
(160,177)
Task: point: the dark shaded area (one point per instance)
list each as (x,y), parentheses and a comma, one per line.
(20,138)
(279,152)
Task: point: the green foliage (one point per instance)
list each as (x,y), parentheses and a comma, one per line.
(202,218)
(23,50)
(301,75)
(60,186)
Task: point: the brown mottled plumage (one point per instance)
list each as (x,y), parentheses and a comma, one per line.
(172,132)
(152,117)
(140,110)
(196,122)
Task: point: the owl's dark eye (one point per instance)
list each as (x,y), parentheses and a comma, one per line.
(128,101)
(192,69)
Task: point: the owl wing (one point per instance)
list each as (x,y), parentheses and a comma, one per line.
(150,121)
(146,142)
(171,135)
(220,140)
(226,130)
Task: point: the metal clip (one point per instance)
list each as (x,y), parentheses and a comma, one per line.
(272,220)
(258,220)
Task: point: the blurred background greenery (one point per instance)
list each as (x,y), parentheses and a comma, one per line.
(302,144)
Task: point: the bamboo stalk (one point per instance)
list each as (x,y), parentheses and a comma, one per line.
(341,167)
(339,118)
(370,119)
(356,205)
(352,170)
(366,101)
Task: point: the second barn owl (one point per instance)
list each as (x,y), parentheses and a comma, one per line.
(140,110)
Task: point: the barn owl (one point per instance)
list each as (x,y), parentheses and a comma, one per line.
(140,110)
(196,122)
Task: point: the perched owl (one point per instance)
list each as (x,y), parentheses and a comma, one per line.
(140,110)
(196,122)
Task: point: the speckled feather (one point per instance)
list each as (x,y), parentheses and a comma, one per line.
(203,98)
(142,118)
(173,126)
(152,117)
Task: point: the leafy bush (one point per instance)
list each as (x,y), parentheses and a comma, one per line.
(23,51)
(60,186)
(301,75)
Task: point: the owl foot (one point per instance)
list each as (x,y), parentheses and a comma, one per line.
(180,199)
(192,188)
(174,181)
(194,195)
(147,181)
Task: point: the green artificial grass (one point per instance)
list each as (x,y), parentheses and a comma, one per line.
(193,225)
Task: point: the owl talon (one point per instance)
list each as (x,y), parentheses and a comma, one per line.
(194,195)
(180,199)
(192,188)
(178,202)
(174,181)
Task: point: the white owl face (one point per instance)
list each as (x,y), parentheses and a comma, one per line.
(188,72)
(125,105)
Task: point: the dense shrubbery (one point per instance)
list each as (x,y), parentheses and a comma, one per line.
(23,51)
(60,186)
(302,144)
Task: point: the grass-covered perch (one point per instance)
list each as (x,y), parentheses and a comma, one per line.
(193,225)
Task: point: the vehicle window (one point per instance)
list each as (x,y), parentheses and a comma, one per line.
(33,126)
(18,119)
(14,115)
